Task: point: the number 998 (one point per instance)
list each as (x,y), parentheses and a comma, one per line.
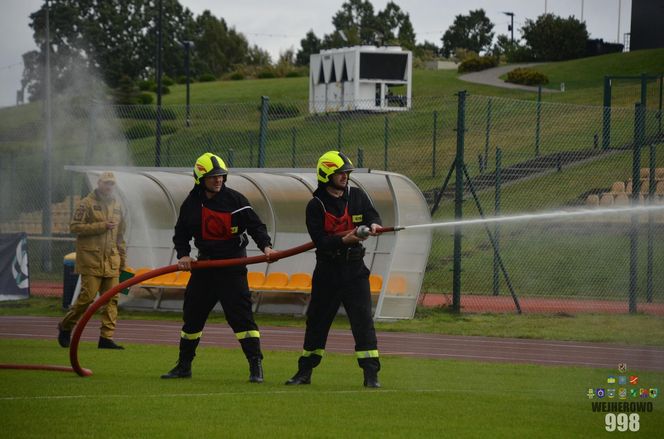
(621,422)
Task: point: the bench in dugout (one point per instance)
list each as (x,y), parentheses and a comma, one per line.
(280,283)
(259,284)
(157,285)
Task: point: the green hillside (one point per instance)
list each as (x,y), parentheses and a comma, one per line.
(583,79)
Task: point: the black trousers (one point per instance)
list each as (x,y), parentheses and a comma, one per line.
(334,284)
(229,287)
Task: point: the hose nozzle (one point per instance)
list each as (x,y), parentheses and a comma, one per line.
(362,231)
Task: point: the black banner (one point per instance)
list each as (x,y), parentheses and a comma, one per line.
(14,278)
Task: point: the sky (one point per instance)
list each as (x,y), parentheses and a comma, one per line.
(279,25)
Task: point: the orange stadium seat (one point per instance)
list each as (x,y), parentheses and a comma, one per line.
(375,283)
(396,285)
(183,279)
(276,280)
(167,279)
(299,282)
(256,279)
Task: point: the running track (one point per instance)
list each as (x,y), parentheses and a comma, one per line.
(486,349)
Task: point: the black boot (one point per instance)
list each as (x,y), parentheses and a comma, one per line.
(187,353)
(303,376)
(64,337)
(371,378)
(107,343)
(255,370)
(181,370)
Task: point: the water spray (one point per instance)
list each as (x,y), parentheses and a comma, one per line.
(523,217)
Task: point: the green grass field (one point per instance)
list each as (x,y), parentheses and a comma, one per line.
(125,397)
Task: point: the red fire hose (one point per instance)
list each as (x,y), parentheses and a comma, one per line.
(106,296)
(78,330)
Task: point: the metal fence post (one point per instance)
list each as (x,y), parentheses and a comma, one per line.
(386,136)
(89,147)
(606,114)
(636,191)
(496,230)
(433,142)
(538,111)
(293,142)
(651,235)
(262,135)
(458,202)
(250,143)
(644,90)
(360,157)
(659,108)
(488,133)
(230,157)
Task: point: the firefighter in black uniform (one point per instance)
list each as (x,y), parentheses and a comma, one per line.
(340,276)
(217,217)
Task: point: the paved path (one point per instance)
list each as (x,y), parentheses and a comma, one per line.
(492,77)
(436,346)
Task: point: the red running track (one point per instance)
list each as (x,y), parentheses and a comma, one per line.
(474,302)
(436,346)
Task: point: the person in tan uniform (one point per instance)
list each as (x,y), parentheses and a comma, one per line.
(100,256)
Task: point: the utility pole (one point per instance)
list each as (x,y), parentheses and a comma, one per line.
(157,154)
(581,11)
(618,33)
(187,49)
(48,150)
(511,25)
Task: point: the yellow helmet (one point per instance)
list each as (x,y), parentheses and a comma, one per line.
(332,162)
(209,165)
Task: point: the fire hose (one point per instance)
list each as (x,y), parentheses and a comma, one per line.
(362,232)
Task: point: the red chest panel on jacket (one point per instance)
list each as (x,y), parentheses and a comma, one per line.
(335,224)
(215,226)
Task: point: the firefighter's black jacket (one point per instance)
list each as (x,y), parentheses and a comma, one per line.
(360,208)
(226,200)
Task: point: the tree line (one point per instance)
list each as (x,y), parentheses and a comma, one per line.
(117,40)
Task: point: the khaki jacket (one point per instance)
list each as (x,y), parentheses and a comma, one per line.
(99,251)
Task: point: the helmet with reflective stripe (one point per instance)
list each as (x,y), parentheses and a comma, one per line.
(332,162)
(209,165)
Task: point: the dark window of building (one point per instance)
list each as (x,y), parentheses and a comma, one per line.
(383,66)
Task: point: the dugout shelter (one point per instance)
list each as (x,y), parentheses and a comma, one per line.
(152,197)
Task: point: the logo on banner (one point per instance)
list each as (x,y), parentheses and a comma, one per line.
(20,265)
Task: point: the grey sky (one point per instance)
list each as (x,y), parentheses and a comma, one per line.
(279,25)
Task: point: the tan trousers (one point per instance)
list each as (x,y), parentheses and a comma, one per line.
(90,286)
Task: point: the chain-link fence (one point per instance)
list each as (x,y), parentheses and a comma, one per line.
(519,157)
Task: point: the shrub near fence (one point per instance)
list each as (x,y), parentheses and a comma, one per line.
(552,157)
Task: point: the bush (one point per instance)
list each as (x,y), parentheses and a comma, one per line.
(527,76)
(293,74)
(265,74)
(207,77)
(146,85)
(164,89)
(142,130)
(518,54)
(477,63)
(145,98)
(167,81)
(236,76)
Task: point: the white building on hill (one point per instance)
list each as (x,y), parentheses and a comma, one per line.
(364,78)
